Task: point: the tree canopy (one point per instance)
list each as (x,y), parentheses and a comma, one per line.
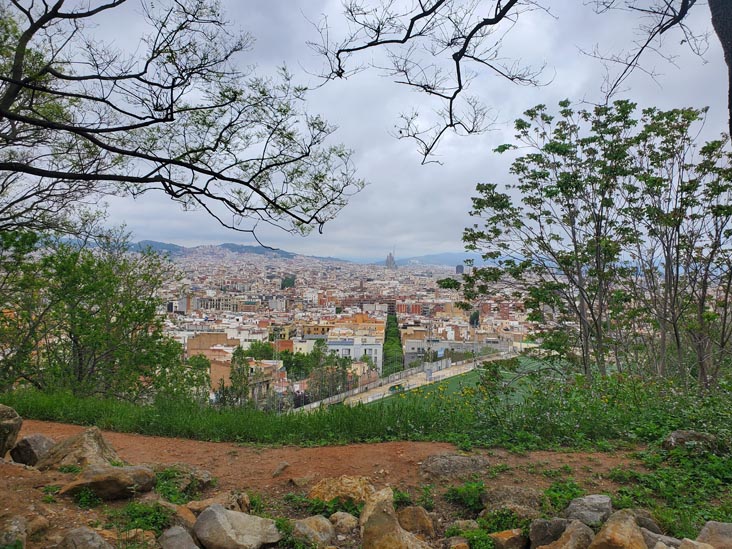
(437,46)
(617,235)
(79,116)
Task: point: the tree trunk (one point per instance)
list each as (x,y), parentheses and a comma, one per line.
(722,23)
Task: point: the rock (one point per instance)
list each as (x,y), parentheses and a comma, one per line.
(29,450)
(380,527)
(692,439)
(457,542)
(189,479)
(10,423)
(464,525)
(219,528)
(659,545)
(417,520)
(344,523)
(544,532)
(83,538)
(358,489)
(176,538)
(137,537)
(112,482)
(593,510)
(644,519)
(509,539)
(453,465)
(577,535)
(652,538)
(718,534)
(280,469)
(37,524)
(235,501)
(691,544)
(14,532)
(83,450)
(301,482)
(316,530)
(525,500)
(619,532)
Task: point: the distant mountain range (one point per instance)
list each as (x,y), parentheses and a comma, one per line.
(174,250)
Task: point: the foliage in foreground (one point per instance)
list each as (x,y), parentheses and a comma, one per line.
(540,414)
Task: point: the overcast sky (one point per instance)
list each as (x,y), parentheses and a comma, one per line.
(419,209)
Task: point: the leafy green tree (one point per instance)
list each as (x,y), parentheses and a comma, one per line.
(79,117)
(287,282)
(260,350)
(84,318)
(239,391)
(393,354)
(617,236)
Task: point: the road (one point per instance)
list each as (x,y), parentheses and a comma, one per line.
(420,379)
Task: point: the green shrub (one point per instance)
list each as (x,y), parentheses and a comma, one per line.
(87,499)
(503,519)
(288,540)
(168,485)
(560,494)
(145,516)
(426,497)
(316,506)
(467,495)
(401,499)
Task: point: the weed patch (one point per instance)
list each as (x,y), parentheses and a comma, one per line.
(153,517)
(467,495)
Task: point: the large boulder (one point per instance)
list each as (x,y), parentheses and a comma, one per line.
(176,537)
(718,534)
(417,520)
(684,438)
(358,489)
(544,532)
(380,527)
(31,449)
(10,423)
(619,532)
(112,482)
(83,450)
(317,530)
(219,528)
(83,538)
(593,510)
(577,535)
(453,465)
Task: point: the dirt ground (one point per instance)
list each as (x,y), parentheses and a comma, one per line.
(251,468)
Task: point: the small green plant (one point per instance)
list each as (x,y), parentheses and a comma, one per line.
(478,539)
(559,472)
(168,485)
(70,469)
(87,499)
(117,463)
(145,516)
(503,519)
(319,507)
(468,495)
(426,497)
(401,499)
(560,494)
(49,491)
(256,503)
(289,541)
(494,470)
(452,531)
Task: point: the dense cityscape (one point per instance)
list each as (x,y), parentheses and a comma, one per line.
(227,299)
